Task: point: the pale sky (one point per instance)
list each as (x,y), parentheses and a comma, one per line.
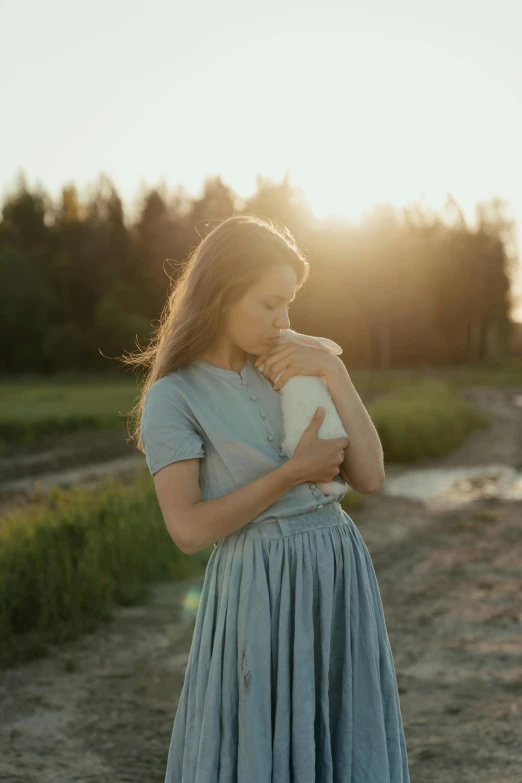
(362,102)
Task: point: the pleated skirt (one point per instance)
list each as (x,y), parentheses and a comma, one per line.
(290,676)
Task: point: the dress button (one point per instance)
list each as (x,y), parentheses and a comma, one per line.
(254,397)
(244,383)
(320,505)
(270,437)
(263,415)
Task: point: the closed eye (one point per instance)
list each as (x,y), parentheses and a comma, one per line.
(273,308)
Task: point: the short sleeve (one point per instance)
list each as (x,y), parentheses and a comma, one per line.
(167,431)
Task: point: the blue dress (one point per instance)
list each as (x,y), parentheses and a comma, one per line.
(290,676)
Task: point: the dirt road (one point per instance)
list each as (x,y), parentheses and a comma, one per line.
(101,708)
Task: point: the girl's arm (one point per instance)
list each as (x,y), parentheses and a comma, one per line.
(363,465)
(193,523)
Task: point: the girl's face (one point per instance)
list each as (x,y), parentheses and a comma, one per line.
(262,313)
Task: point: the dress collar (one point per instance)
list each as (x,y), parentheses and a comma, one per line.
(225,373)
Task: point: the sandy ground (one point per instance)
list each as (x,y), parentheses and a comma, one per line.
(101,708)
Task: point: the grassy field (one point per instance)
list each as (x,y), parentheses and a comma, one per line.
(425,418)
(32,407)
(371,382)
(67,560)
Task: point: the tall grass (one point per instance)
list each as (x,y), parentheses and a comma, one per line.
(31,408)
(425,419)
(66,562)
(369,383)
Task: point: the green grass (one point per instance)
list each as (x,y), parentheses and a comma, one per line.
(372,382)
(31,408)
(67,561)
(351,500)
(429,418)
(480,376)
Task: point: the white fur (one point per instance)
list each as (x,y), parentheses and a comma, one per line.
(301,395)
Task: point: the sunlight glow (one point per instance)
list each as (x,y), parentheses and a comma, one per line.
(357,114)
(350,132)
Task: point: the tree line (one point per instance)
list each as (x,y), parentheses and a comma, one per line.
(81,283)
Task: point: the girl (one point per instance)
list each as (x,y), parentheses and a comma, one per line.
(290,675)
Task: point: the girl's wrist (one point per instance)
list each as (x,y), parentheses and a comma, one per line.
(293,470)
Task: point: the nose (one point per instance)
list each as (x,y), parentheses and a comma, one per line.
(283,323)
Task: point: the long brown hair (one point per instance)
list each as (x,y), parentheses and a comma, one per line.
(218,272)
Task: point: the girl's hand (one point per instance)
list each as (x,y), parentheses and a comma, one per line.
(293,359)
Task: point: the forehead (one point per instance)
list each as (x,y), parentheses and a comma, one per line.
(280,281)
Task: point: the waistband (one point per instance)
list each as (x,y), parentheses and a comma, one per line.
(329,515)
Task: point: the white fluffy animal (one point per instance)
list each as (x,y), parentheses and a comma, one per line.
(300,398)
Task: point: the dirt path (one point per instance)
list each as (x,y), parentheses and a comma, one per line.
(64,460)
(502,442)
(101,708)
(452,592)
